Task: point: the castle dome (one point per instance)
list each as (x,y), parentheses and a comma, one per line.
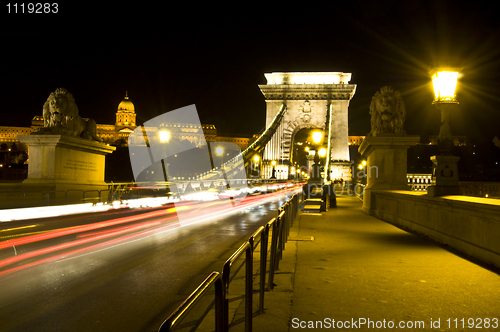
(126,105)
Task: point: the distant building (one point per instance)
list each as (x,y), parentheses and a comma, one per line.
(125,123)
(481,189)
(8,134)
(419,182)
(355,140)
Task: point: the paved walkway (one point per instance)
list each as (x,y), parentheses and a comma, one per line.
(360,269)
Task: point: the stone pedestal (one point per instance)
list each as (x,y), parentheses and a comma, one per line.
(386,166)
(64,162)
(444,176)
(341,170)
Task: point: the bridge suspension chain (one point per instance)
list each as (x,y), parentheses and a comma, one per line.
(235,164)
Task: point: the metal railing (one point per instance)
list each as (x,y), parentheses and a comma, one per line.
(279,228)
(176,317)
(359,190)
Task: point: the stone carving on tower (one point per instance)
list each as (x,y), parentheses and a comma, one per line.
(60,116)
(388,112)
(305,111)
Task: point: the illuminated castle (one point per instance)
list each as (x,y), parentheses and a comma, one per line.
(124,125)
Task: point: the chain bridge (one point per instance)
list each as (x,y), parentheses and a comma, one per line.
(295,101)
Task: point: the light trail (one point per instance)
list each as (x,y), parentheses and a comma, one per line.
(193,213)
(78,229)
(17,228)
(64,255)
(140,236)
(44,251)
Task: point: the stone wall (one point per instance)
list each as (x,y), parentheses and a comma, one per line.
(468,224)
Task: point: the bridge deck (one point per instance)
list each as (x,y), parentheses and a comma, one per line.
(359,267)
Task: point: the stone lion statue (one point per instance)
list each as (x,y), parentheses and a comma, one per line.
(60,116)
(388,112)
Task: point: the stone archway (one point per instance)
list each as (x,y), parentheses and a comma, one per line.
(308,97)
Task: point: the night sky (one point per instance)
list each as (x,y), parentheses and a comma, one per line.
(215,56)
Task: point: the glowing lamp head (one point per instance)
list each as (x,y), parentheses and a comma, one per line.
(164,136)
(445,84)
(273,162)
(322,152)
(317,136)
(256,158)
(219,151)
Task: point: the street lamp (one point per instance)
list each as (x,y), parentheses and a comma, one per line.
(361,167)
(219,152)
(273,174)
(444,82)
(164,136)
(317,136)
(256,159)
(445,170)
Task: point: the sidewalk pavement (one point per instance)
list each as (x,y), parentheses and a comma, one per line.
(342,267)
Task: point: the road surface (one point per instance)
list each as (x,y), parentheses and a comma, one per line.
(123,270)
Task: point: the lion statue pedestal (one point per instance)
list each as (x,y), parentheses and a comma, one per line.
(65,162)
(65,155)
(385,163)
(385,147)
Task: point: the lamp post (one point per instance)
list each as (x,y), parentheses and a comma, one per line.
(219,151)
(273,174)
(445,170)
(256,159)
(361,179)
(317,137)
(164,136)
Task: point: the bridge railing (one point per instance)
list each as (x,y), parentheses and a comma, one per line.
(227,284)
(175,319)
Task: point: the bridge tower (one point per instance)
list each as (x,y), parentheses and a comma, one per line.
(309,97)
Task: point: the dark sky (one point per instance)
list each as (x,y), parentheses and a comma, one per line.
(215,55)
